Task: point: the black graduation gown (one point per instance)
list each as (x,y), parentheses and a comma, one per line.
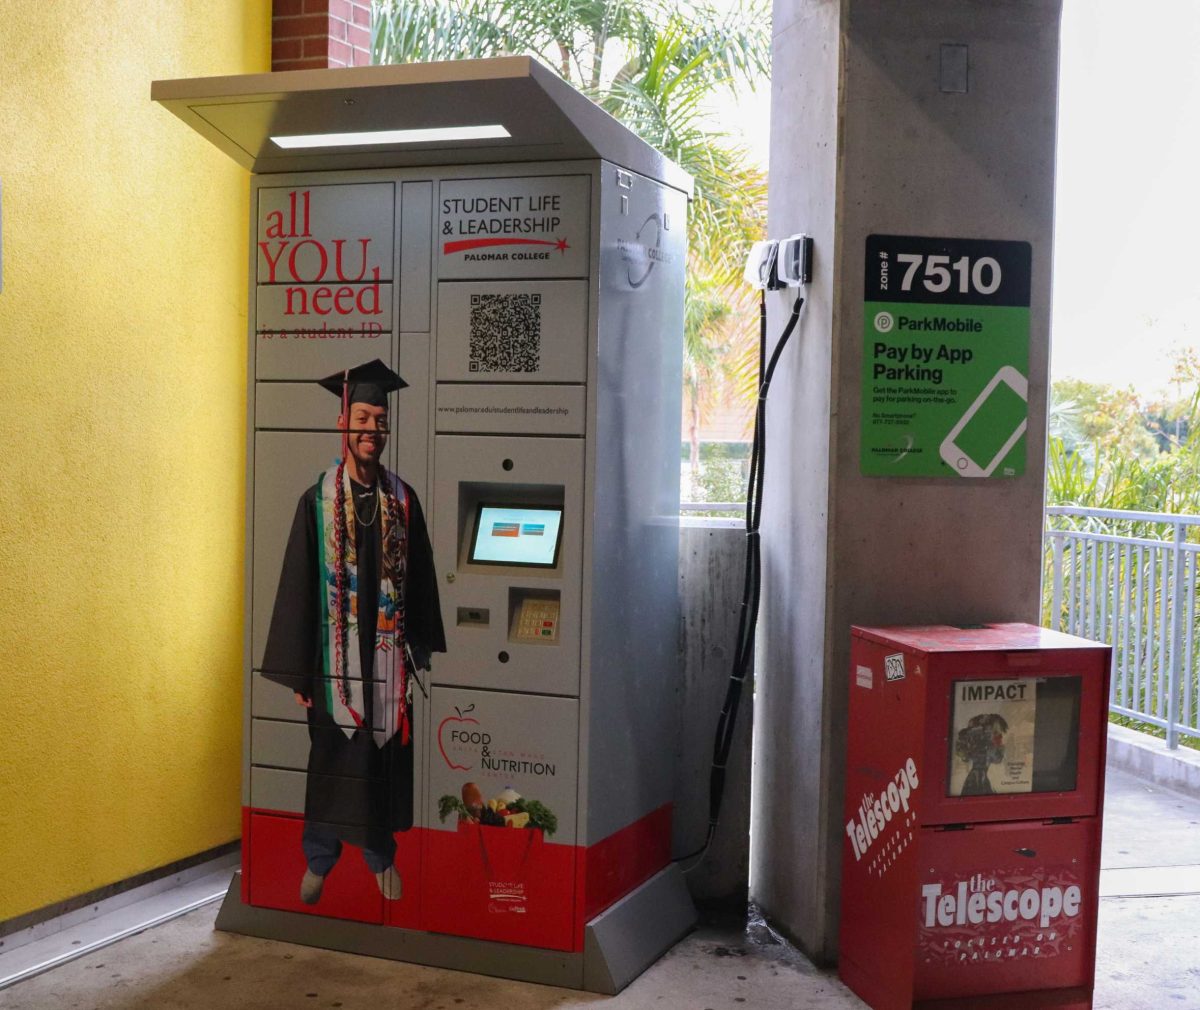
(355,789)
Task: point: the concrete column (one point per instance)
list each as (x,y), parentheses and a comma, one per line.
(865,140)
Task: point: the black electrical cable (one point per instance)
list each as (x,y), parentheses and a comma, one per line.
(752,579)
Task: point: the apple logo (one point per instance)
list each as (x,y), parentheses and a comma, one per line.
(462,717)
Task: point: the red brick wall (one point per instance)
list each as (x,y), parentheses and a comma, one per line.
(313,34)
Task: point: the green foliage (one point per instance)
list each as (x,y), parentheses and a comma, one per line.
(655,66)
(1185,739)
(719,480)
(739,451)
(540,816)
(1089,413)
(440,30)
(1108,449)
(450,804)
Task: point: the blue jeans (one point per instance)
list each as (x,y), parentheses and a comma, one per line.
(322,849)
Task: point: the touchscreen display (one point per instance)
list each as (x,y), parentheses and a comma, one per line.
(516,535)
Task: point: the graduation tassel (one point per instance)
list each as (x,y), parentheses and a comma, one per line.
(405,730)
(345,414)
(339,618)
(340,527)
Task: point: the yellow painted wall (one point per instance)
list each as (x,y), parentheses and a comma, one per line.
(122,412)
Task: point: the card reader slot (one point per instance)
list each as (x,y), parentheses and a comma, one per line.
(473,617)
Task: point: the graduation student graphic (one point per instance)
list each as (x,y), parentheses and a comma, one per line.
(355,614)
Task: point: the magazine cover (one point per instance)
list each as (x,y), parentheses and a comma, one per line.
(992,737)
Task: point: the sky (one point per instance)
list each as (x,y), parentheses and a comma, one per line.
(1127,217)
(1126,267)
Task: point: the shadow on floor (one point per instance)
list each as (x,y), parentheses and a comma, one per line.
(186,965)
(1148,952)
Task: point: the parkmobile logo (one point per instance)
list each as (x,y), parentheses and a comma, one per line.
(875,811)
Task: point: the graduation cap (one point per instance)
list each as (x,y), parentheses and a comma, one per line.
(369,383)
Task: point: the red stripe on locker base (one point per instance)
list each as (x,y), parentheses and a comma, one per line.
(246,811)
(277,865)
(617,864)
(504,884)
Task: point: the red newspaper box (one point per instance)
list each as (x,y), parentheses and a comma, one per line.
(974,798)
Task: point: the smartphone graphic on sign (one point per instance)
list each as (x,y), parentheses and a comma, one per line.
(990,427)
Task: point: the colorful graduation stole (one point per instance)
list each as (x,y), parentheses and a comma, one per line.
(341,662)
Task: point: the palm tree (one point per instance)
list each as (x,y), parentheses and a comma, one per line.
(705,353)
(654,66)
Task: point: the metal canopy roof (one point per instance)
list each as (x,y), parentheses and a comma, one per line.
(548,119)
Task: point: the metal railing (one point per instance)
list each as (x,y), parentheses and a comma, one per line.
(1129,579)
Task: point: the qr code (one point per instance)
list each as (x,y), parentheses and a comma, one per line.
(506,333)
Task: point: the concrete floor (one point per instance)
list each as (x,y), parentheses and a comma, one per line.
(1148,948)
(1148,952)
(186,965)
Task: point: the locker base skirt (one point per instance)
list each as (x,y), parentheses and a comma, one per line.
(619,944)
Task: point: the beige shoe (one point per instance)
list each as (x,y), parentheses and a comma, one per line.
(390,885)
(310,887)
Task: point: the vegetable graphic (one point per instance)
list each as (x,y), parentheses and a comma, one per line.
(472,798)
(507,810)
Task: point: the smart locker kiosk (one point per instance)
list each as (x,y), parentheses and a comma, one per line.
(528,287)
